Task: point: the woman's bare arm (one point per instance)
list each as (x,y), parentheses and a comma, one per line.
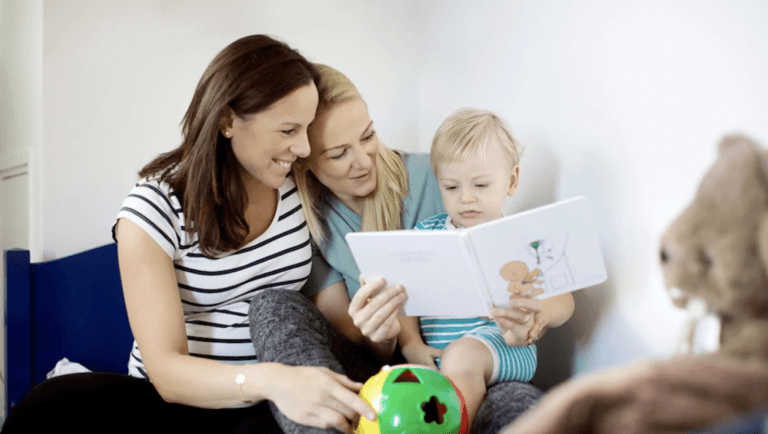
(308,395)
(157,322)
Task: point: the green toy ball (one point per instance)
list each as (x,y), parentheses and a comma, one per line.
(413,399)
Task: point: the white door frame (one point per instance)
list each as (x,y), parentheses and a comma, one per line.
(22,162)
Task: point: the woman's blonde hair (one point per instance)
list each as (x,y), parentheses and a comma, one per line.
(382,208)
(469,131)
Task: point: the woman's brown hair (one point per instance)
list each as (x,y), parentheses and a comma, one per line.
(245,78)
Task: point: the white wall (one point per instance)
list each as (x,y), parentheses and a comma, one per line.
(119,76)
(21,41)
(21,105)
(21,55)
(622,102)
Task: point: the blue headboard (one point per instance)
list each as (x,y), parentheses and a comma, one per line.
(71,307)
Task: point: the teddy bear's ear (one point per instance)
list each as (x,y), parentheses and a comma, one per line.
(762,240)
(735,140)
(744,144)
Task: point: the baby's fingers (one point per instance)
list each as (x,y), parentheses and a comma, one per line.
(436,352)
(508,314)
(536,328)
(525,303)
(535,292)
(506,324)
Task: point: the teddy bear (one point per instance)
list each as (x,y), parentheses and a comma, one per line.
(521,280)
(716,250)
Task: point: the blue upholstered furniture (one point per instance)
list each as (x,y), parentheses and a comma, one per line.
(71,307)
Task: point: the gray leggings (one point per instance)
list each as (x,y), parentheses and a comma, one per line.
(287,328)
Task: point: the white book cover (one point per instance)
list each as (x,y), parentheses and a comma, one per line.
(541,252)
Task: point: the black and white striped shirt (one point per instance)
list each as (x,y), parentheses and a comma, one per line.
(215,292)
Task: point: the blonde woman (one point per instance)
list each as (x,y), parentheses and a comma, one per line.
(351,182)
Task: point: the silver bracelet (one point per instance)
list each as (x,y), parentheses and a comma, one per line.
(240,380)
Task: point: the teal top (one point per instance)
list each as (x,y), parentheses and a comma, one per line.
(332,261)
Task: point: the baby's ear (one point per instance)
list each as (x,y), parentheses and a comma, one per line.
(514,180)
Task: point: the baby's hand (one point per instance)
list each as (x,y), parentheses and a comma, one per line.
(538,325)
(517,321)
(421,354)
(514,325)
(513,339)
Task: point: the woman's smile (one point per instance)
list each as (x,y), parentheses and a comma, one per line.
(286,165)
(363,177)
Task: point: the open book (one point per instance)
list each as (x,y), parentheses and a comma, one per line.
(541,252)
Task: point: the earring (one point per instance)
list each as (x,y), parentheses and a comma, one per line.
(228,134)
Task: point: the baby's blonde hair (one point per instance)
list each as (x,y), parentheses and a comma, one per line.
(469,131)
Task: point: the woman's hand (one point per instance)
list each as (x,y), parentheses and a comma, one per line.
(520,320)
(374,310)
(421,354)
(318,397)
(670,396)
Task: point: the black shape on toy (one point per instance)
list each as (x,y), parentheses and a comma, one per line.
(434,410)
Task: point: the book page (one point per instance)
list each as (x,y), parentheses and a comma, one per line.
(551,249)
(433,266)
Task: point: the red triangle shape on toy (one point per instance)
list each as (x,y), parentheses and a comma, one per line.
(407,377)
